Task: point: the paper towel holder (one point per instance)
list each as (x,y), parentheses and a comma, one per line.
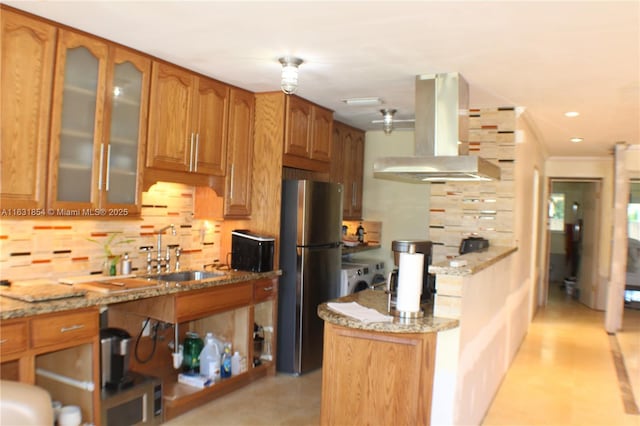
(406,315)
(401,315)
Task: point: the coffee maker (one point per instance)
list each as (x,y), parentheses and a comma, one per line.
(115,344)
(428,280)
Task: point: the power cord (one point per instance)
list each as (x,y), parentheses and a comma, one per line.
(154,338)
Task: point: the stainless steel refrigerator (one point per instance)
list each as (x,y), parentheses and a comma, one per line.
(310,253)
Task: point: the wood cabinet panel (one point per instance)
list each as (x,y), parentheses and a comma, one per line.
(171,136)
(189,123)
(28,51)
(307,140)
(322,129)
(64,328)
(211,127)
(197,304)
(237,199)
(347,167)
(378,378)
(264,290)
(14,337)
(298,128)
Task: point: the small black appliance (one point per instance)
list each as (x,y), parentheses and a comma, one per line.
(251,252)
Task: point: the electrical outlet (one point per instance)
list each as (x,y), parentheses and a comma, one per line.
(146,331)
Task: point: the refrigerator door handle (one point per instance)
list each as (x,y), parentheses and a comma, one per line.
(320,246)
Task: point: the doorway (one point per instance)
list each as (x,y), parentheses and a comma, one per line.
(574,240)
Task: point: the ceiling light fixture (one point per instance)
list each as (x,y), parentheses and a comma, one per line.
(571,114)
(576,140)
(387,120)
(363,101)
(289,81)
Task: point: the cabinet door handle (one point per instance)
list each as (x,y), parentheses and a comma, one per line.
(4,341)
(108,165)
(100,169)
(231,184)
(195,160)
(71,328)
(354,186)
(191,153)
(267,288)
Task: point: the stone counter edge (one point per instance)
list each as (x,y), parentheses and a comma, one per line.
(476,261)
(16,309)
(378,300)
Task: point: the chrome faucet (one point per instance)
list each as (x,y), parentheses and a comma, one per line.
(160,260)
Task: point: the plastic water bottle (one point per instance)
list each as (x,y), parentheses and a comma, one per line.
(210,358)
(235,363)
(225,369)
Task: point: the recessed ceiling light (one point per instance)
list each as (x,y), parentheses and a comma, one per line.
(571,114)
(576,140)
(363,101)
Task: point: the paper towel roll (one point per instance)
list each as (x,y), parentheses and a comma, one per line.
(410,270)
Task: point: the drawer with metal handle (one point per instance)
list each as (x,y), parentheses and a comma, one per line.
(66,327)
(264,289)
(13,337)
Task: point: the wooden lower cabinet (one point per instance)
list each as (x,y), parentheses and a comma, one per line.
(58,352)
(376,378)
(228,311)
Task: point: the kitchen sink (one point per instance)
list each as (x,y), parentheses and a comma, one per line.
(183,276)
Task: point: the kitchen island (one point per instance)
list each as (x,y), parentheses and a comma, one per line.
(378,372)
(442,369)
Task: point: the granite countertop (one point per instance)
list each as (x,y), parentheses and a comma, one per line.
(377,300)
(476,261)
(10,308)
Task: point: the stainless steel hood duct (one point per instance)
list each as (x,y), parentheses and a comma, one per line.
(441,121)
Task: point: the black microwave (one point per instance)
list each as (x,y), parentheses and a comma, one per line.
(139,404)
(251,252)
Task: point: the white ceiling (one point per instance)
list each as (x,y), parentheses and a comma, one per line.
(548,57)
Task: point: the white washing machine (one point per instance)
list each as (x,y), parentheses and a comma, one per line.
(361,276)
(377,271)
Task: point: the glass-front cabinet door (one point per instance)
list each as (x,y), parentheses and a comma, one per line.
(98,128)
(126,112)
(77,119)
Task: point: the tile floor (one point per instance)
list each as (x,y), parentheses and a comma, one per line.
(563,374)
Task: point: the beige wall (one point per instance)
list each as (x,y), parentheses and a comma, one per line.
(403,208)
(528,261)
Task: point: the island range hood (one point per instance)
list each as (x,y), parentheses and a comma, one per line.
(441,121)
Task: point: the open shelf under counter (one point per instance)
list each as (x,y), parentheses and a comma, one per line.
(180,398)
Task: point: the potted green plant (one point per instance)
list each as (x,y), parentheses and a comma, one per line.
(110,259)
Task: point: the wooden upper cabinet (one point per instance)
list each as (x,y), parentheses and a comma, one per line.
(171,135)
(211,127)
(308,135)
(298,128)
(28,51)
(188,118)
(322,129)
(356,159)
(347,168)
(98,128)
(128,79)
(237,197)
(77,142)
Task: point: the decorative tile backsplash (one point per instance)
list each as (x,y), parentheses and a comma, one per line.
(54,248)
(459,209)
